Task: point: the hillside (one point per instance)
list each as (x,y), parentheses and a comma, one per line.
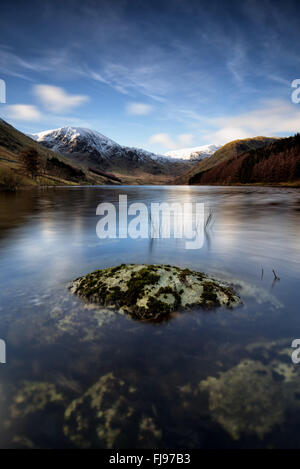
(277,163)
(56,169)
(232,149)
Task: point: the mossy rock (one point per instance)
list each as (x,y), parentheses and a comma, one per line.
(252,397)
(245,399)
(106,415)
(153,291)
(34,397)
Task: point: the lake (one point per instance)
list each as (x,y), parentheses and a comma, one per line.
(81,376)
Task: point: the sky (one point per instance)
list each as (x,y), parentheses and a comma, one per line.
(159,75)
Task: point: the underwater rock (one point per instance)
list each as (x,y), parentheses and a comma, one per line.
(149,430)
(106,415)
(251,398)
(35,415)
(245,399)
(21,442)
(153,291)
(34,397)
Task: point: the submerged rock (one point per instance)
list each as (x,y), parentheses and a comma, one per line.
(252,398)
(106,415)
(151,292)
(245,399)
(34,397)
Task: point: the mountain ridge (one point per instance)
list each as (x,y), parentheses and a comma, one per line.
(92,149)
(70,139)
(276,163)
(230,149)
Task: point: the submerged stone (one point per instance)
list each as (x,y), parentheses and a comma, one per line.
(252,398)
(153,291)
(245,399)
(106,415)
(34,397)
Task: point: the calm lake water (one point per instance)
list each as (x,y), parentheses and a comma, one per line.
(79,376)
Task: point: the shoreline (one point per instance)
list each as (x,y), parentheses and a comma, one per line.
(34,187)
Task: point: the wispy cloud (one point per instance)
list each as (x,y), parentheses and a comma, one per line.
(172,143)
(131,77)
(139,109)
(271,118)
(56,99)
(26,66)
(274,117)
(22,112)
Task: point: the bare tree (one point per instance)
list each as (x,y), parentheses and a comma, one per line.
(31,162)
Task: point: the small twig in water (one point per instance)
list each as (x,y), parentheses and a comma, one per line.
(208,220)
(275,276)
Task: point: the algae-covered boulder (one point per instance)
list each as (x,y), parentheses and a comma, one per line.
(106,416)
(245,399)
(254,393)
(253,397)
(153,291)
(34,416)
(34,397)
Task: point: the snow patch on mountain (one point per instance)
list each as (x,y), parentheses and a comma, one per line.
(195,153)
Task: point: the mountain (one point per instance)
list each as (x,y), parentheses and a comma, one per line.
(79,140)
(227,151)
(98,152)
(193,154)
(56,169)
(276,163)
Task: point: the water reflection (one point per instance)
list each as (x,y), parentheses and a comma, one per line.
(61,351)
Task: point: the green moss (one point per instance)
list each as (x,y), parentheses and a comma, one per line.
(183,274)
(113,270)
(229,293)
(114,295)
(158,307)
(137,284)
(209,296)
(91,286)
(173,292)
(152,268)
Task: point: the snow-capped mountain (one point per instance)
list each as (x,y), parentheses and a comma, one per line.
(68,139)
(193,154)
(77,140)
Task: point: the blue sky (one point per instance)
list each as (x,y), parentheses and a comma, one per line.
(159,75)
